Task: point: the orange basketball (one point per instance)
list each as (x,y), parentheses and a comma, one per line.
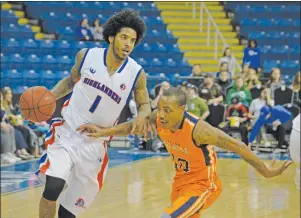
(37,104)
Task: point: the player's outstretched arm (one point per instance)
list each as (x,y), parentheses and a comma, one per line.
(122,129)
(204,133)
(66,85)
(143,105)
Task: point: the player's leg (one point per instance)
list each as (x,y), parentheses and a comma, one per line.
(64,213)
(55,166)
(295,154)
(86,178)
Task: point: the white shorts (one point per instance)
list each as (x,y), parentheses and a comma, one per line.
(81,162)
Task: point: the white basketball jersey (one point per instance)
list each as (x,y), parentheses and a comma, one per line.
(97,97)
(296,123)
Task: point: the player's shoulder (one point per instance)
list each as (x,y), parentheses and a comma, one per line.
(191,118)
(132,63)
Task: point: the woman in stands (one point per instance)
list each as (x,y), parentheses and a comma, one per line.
(228,58)
(296,88)
(83,31)
(251,79)
(96,30)
(275,80)
(252,56)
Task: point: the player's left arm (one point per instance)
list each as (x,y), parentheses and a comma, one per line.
(204,133)
(143,104)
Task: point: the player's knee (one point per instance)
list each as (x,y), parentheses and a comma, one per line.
(165,215)
(53,188)
(64,213)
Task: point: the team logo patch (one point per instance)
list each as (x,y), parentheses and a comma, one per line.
(122,86)
(80,203)
(92,70)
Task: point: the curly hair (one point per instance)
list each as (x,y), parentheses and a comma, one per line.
(125,18)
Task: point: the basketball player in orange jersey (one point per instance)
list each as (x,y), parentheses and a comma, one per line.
(102,81)
(189,140)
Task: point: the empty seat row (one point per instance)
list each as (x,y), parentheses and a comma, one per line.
(269,22)
(268,8)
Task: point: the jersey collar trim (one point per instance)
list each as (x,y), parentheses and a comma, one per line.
(122,66)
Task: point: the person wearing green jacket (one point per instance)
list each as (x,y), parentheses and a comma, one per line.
(239,90)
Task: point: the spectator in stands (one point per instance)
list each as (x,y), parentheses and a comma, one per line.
(210,91)
(251,79)
(252,56)
(255,107)
(224,81)
(83,31)
(235,114)
(228,58)
(195,104)
(164,86)
(183,86)
(96,30)
(16,120)
(196,72)
(239,90)
(222,67)
(295,86)
(275,80)
(12,140)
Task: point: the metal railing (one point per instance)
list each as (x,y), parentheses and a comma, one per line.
(204,11)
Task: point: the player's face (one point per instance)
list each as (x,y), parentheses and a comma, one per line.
(123,43)
(169,111)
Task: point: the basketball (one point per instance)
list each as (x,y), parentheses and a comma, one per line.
(37,104)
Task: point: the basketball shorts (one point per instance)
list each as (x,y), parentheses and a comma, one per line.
(190,200)
(81,162)
(295,154)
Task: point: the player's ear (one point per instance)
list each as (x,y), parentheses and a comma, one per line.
(183,107)
(111,39)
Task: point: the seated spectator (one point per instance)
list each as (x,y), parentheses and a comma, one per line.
(196,72)
(183,86)
(295,86)
(235,114)
(16,120)
(223,67)
(164,86)
(239,90)
(251,79)
(195,104)
(210,91)
(83,31)
(230,60)
(275,81)
(255,107)
(252,56)
(12,141)
(224,81)
(96,30)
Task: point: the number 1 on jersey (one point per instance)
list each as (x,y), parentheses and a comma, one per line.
(95,104)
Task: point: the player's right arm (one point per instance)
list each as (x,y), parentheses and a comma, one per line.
(122,129)
(204,133)
(65,86)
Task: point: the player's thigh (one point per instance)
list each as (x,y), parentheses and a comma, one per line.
(86,178)
(186,206)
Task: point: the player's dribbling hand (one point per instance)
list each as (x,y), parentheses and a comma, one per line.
(92,130)
(276,171)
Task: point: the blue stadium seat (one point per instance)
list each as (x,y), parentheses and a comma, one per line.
(248,22)
(33,59)
(279,49)
(171,63)
(31,78)
(277,8)
(16,58)
(15,78)
(257,35)
(275,35)
(270,64)
(142,62)
(161,48)
(65,60)
(283,22)
(47,44)
(265,22)
(259,8)
(49,59)
(30,43)
(4,58)
(156,63)
(66,30)
(146,47)
(290,64)
(295,49)
(49,78)
(63,44)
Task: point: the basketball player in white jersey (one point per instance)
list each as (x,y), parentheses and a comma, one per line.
(101,81)
(295,148)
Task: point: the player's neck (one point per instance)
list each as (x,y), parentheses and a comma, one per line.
(112,62)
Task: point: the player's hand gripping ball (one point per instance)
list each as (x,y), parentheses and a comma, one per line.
(37,104)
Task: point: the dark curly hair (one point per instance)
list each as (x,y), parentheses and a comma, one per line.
(125,18)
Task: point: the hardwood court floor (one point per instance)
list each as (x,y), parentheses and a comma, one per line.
(142,190)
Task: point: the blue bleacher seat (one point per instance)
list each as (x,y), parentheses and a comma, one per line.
(30,43)
(33,58)
(171,63)
(290,64)
(49,78)
(49,59)
(47,44)
(15,78)
(65,60)
(156,62)
(4,58)
(31,78)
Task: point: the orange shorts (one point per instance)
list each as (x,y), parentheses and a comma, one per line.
(191,199)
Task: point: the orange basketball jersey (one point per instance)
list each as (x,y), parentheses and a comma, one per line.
(193,163)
